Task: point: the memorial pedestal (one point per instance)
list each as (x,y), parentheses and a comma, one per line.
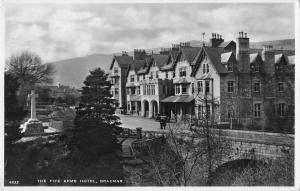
(32,127)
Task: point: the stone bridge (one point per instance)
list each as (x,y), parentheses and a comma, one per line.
(250,145)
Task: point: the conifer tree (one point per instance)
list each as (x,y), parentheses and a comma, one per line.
(96,124)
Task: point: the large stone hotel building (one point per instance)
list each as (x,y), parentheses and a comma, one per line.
(228,81)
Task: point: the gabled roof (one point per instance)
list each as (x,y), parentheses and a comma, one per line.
(189,53)
(160,59)
(136,65)
(225,57)
(279,57)
(291,60)
(144,69)
(214,55)
(123,61)
(171,60)
(225,44)
(253,57)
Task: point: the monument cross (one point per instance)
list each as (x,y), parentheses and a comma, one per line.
(32,97)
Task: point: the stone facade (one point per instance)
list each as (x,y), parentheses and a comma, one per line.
(237,85)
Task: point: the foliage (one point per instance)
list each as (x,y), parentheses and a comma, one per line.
(279,172)
(29,70)
(95,121)
(44,93)
(13,113)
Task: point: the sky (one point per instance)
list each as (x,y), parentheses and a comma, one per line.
(61,31)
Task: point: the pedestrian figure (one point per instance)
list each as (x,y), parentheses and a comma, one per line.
(163,123)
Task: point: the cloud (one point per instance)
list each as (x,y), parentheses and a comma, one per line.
(60,31)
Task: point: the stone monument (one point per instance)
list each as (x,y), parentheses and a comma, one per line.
(33,125)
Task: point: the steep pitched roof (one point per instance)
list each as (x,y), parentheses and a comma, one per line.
(225,57)
(160,59)
(225,44)
(190,53)
(253,57)
(123,61)
(215,56)
(137,64)
(172,56)
(291,60)
(279,57)
(144,69)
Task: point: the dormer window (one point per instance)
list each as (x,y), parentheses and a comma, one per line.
(182,72)
(131,78)
(256,67)
(230,67)
(205,68)
(115,70)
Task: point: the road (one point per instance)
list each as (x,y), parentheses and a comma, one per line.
(132,122)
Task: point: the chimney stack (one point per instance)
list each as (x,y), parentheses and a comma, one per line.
(139,54)
(216,40)
(268,56)
(124,53)
(243,53)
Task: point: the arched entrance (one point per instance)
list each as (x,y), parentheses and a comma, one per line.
(154,108)
(146,108)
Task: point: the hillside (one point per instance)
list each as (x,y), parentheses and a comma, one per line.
(73,71)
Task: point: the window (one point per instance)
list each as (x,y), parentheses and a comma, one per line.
(116,91)
(230,67)
(208,111)
(156,74)
(131,78)
(207,86)
(164,90)
(182,72)
(200,111)
(138,91)
(257,110)
(281,109)
(205,68)
(151,76)
(256,67)
(230,86)
(144,77)
(132,91)
(173,74)
(280,86)
(257,86)
(115,70)
(193,88)
(167,75)
(177,89)
(153,89)
(184,89)
(230,114)
(200,86)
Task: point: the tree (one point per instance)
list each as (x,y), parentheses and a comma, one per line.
(95,121)
(195,156)
(27,67)
(13,113)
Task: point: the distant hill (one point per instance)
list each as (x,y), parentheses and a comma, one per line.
(73,71)
(287,44)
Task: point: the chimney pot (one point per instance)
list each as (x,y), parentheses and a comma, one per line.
(245,35)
